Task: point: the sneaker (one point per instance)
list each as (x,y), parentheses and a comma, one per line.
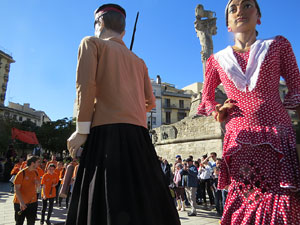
(192,214)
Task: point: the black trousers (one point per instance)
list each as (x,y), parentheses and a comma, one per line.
(29,213)
(57,191)
(206,185)
(50,209)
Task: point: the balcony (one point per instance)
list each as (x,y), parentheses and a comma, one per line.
(174,106)
(7,67)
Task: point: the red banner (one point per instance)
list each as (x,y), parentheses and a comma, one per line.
(25,136)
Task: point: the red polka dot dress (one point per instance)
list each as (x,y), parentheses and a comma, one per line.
(260,162)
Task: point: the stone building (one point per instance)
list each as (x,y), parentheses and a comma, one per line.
(154,118)
(23,112)
(175,103)
(5,61)
(172,104)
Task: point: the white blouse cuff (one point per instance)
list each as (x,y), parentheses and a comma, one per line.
(83,127)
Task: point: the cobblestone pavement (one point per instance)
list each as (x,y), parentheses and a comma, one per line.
(59,214)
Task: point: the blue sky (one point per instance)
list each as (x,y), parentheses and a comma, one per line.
(43,37)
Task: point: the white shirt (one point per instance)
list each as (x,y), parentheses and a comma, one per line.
(205,173)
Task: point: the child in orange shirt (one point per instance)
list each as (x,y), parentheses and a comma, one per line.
(49,181)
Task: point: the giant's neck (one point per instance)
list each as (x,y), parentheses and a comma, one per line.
(243,41)
(105,34)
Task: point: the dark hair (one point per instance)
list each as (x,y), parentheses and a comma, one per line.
(192,157)
(204,156)
(189,160)
(219,159)
(51,165)
(179,158)
(213,153)
(32,159)
(113,20)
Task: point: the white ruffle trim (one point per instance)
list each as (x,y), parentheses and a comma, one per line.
(230,65)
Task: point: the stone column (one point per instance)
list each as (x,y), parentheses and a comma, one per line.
(205,26)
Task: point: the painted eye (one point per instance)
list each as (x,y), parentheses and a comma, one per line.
(232,10)
(247,6)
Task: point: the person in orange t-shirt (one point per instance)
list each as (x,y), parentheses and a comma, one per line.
(15,171)
(40,172)
(53,161)
(17,167)
(49,181)
(25,201)
(57,171)
(24,164)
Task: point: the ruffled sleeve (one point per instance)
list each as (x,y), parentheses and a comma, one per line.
(212,80)
(290,73)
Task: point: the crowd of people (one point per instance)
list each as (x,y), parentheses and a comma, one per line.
(36,178)
(193,180)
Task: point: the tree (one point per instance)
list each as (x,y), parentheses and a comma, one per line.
(53,135)
(5,133)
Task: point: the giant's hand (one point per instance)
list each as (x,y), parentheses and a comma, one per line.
(221,110)
(74,142)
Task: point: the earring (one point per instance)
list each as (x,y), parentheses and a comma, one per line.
(229,29)
(258,21)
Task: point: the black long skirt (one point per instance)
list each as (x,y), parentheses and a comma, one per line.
(120,181)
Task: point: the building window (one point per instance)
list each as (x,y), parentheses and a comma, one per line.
(181,115)
(167,102)
(15,117)
(168,117)
(181,104)
(20,118)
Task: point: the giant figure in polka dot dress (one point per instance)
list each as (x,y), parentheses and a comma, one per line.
(260,163)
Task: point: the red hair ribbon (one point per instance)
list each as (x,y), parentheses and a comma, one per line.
(102,11)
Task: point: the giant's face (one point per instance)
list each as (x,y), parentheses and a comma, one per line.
(242,15)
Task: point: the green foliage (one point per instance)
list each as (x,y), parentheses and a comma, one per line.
(52,136)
